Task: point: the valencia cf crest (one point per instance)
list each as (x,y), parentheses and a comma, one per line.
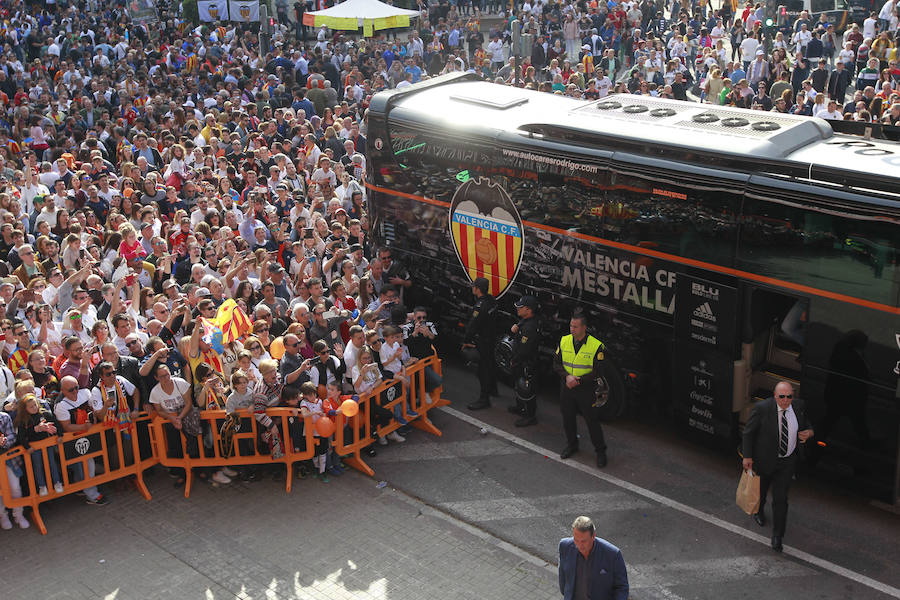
(487,233)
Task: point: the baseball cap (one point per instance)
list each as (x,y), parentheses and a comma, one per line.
(203,291)
(529,301)
(355,247)
(275,267)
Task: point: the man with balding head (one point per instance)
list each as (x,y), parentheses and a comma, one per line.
(293,369)
(772,436)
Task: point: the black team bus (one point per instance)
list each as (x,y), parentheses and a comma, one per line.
(715,251)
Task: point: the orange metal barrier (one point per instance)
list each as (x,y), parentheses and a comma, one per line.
(80,448)
(420,401)
(212,457)
(77,449)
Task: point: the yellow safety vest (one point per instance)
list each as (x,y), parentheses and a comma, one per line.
(581,362)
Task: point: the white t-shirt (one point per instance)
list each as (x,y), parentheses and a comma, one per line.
(835,116)
(869,28)
(171,402)
(387,351)
(370,380)
(64,405)
(97,396)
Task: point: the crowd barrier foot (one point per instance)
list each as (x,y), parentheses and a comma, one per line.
(360,465)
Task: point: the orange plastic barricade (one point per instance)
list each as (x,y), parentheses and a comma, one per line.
(210,454)
(420,400)
(394,392)
(121,460)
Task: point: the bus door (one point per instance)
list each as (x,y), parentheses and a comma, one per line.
(773,337)
(691,217)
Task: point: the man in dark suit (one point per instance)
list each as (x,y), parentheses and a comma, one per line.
(771,437)
(590,567)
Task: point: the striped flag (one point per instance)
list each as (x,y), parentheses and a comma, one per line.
(17,360)
(233,322)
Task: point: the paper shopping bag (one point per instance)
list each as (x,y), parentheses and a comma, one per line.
(747,496)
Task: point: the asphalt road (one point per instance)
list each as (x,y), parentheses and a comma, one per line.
(669,505)
(468,516)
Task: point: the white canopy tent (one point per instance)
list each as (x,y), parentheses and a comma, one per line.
(371,15)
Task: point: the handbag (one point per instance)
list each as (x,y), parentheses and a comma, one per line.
(190,423)
(747,495)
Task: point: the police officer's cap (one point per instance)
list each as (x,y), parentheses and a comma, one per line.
(529,301)
(482,284)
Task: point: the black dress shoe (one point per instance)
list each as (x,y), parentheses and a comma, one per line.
(760,518)
(568,451)
(525,422)
(481,404)
(601,460)
(776,544)
(514,409)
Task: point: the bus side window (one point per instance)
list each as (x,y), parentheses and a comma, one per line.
(825,250)
(553,199)
(690,219)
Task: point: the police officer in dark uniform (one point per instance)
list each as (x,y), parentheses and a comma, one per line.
(579,361)
(480,335)
(524,361)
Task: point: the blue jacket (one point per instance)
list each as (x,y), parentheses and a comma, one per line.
(609,579)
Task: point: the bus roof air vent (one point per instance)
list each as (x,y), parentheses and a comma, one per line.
(735,122)
(766,126)
(705,118)
(714,126)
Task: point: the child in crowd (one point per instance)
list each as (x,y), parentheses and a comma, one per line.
(13,473)
(311,406)
(130,249)
(241,398)
(35,422)
(332,404)
(392,352)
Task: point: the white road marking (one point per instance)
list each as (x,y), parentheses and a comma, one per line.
(494,509)
(674,504)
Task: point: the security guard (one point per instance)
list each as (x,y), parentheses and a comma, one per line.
(480,335)
(579,360)
(524,361)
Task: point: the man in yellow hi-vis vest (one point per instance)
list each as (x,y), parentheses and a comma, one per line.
(579,360)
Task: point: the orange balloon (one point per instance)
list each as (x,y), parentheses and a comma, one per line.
(276,349)
(350,408)
(325,427)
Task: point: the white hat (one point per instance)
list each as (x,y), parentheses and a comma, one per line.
(189,103)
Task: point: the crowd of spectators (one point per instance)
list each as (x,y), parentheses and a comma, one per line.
(149,173)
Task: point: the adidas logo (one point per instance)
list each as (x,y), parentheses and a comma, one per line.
(704,311)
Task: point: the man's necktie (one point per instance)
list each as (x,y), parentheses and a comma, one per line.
(783,438)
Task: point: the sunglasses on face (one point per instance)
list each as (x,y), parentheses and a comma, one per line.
(783,396)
